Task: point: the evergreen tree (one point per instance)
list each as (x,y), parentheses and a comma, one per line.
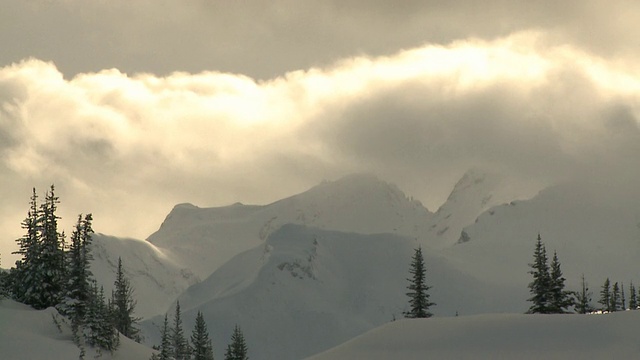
(78,290)
(633,297)
(583,299)
(26,277)
(418,294)
(237,349)
(124,306)
(539,287)
(3,282)
(622,298)
(51,264)
(616,302)
(99,330)
(181,349)
(559,299)
(202,348)
(165,345)
(605,296)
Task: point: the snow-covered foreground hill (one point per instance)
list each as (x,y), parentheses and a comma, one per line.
(27,334)
(498,336)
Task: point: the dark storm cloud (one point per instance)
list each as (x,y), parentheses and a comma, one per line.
(264,38)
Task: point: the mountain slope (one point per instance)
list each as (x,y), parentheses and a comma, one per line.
(205,238)
(498,336)
(157,280)
(308,289)
(594,229)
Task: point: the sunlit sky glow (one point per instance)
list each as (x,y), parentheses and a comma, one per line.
(132,108)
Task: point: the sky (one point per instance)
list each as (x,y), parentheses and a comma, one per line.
(131,107)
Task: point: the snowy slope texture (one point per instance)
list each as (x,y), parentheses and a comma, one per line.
(31,334)
(477,191)
(205,238)
(594,228)
(306,289)
(157,281)
(498,336)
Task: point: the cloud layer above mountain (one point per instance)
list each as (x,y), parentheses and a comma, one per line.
(526,95)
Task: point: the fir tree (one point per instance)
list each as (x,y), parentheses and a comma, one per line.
(51,264)
(237,349)
(202,348)
(616,301)
(583,299)
(622,298)
(124,306)
(181,349)
(165,345)
(99,330)
(539,287)
(633,297)
(418,294)
(25,276)
(559,299)
(605,296)
(78,289)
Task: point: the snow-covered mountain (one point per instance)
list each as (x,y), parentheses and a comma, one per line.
(205,238)
(306,289)
(594,228)
(157,279)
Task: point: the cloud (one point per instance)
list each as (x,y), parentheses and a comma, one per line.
(129,147)
(265,39)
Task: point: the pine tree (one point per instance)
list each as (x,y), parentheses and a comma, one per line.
(633,297)
(99,330)
(166,349)
(622,298)
(605,296)
(51,264)
(78,290)
(418,294)
(583,299)
(559,299)
(616,302)
(124,306)
(539,287)
(237,349)
(25,277)
(181,349)
(202,348)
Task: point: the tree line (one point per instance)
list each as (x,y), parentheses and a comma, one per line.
(53,273)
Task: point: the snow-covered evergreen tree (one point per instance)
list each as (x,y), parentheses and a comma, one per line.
(124,306)
(418,289)
(559,299)
(51,264)
(583,299)
(605,296)
(539,287)
(99,330)
(181,349)
(237,349)
(78,290)
(200,342)
(26,276)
